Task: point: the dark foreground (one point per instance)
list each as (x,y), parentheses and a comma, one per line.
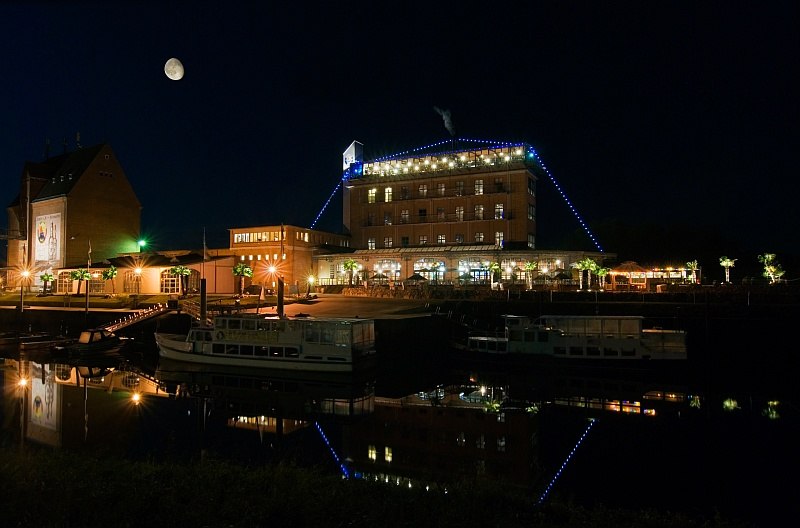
(52,488)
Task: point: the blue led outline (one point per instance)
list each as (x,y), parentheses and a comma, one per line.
(486,144)
(547,490)
(345,471)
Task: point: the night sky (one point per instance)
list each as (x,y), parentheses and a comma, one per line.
(671,126)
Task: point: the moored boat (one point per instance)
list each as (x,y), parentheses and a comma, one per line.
(580,337)
(252,340)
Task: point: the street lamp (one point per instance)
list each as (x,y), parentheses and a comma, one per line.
(310,284)
(138,272)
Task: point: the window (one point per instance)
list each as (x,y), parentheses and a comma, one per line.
(501,443)
(423,215)
(498,185)
(498,211)
(404,216)
(170,283)
(387,242)
(531,241)
(440,188)
(478,212)
(440,213)
(441,239)
(459,238)
(531,186)
(498,238)
(404,193)
(460,188)
(423,190)
(460,213)
(371,243)
(371,194)
(372,453)
(478,186)
(423,239)
(387,454)
(387,218)
(531,212)
(404,241)
(479,236)
(387,194)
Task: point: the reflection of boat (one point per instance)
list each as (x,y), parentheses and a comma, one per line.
(601,337)
(16,341)
(251,340)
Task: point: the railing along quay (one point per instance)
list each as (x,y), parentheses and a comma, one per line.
(136,317)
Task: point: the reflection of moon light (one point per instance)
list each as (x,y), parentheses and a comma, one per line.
(174,69)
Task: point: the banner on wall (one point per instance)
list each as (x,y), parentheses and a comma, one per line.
(44,397)
(47,242)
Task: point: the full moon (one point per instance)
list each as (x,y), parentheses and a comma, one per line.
(174,69)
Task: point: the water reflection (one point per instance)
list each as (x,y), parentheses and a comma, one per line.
(623,438)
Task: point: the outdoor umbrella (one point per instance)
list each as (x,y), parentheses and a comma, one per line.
(416,278)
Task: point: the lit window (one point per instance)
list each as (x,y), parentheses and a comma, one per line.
(459,238)
(423,239)
(371,243)
(440,239)
(501,443)
(371,194)
(479,236)
(387,454)
(423,190)
(440,213)
(460,213)
(478,186)
(498,238)
(531,212)
(461,440)
(441,189)
(372,453)
(478,212)
(387,218)
(387,194)
(460,188)
(404,216)
(498,211)
(387,242)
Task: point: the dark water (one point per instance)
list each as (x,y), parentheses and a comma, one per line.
(718,434)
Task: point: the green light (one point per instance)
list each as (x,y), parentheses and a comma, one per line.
(142,243)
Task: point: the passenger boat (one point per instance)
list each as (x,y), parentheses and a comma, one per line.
(576,337)
(252,340)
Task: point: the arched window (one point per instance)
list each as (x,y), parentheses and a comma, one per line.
(170,283)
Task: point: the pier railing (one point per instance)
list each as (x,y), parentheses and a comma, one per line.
(136,317)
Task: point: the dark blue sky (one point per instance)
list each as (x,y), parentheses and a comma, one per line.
(679,115)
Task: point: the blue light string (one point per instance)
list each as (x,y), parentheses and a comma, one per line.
(564,196)
(344,469)
(544,494)
(325,206)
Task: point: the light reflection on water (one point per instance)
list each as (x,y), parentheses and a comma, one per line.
(670,440)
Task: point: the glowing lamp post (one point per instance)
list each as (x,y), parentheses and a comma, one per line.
(24,275)
(310,284)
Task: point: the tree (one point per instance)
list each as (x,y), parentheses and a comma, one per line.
(772,269)
(727,263)
(46,279)
(109,275)
(601,273)
(350,266)
(183,272)
(693,266)
(585,264)
(494,272)
(80,275)
(529,267)
(242,270)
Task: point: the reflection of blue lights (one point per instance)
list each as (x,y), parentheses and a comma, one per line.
(544,494)
(345,471)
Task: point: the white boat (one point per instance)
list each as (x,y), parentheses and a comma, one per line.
(252,340)
(574,337)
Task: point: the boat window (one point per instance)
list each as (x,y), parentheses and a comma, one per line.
(219,322)
(326,335)
(312,333)
(575,351)
(336,358)
(207,336)
(246,350)
(315,358)
(249,324)
(218,348)
(232,349)
(610,352)
(628,353)
(261,351)
(592,351)
(292,353)
(276,352)
(234,324)
(343,336)
(559,350)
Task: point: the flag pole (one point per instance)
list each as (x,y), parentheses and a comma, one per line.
(88,279)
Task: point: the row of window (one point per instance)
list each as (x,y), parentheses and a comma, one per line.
(440,239)
(458,214)
(441,190)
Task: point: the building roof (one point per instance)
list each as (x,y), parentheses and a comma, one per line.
(62,172)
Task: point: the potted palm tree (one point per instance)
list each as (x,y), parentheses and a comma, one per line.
(693,266)
(109,275)
(727,263)
(529,267)
(46,278)
(183,272)
(350,266)
(242,270)
(80,275)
